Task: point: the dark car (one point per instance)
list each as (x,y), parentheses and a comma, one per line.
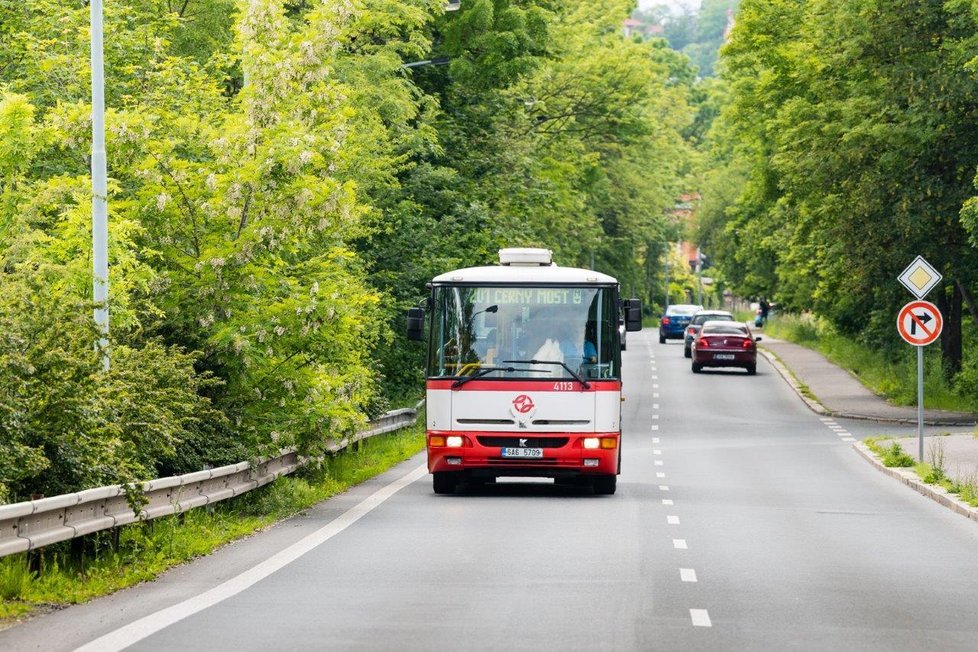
(696,323)
(725,344)
(673,323)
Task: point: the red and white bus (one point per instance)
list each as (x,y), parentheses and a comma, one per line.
(524,372)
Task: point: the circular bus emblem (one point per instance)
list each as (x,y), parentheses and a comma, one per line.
(523,404)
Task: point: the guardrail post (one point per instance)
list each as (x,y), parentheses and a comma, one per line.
(34,561)
(77,550)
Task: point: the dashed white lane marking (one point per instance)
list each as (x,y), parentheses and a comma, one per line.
(655,394)
(826,419)
(663,487)
(687,574)
(660,475)
(656,451)
(655,440)
(848,439)
(655,406)
(658,463)
(655,416)
(680,544)
(154,622)
(844,433)
(666,501)
(654,377)
(700,618)
(672,520)
(655,385)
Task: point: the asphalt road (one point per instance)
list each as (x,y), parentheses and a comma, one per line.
(742,521)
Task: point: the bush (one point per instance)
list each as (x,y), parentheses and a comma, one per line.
(65,425)
(894,456)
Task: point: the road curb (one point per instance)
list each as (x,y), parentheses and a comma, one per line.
(908,477)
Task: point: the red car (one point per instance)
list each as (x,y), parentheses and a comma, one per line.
(725,344)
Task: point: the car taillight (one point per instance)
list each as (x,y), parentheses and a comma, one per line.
(702,343)
(691,331)
(665,321)
(748,344)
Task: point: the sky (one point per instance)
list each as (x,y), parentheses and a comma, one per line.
(674,5)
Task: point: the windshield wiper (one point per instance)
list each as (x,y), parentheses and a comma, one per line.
(482,372)
(585,384)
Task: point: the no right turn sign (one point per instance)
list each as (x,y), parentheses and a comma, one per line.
(920,323)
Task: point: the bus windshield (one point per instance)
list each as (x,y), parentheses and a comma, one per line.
(525,332)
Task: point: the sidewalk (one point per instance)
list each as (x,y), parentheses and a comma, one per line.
(839,394)
(832,391)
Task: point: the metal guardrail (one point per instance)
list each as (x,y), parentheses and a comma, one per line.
(35,523)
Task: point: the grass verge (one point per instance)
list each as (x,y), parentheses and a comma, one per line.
(145,550)
(891,454)
(894,381)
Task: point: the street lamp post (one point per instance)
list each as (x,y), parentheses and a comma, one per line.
(100,221)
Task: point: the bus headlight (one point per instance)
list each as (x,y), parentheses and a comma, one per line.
(592,442)
(454,441)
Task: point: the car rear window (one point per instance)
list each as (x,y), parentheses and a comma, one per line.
(720,328)
(681,310)
(702,319)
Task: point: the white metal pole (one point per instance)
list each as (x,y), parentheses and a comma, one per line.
(100,221)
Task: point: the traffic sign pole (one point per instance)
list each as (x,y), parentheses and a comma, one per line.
(920,403)
(920,323)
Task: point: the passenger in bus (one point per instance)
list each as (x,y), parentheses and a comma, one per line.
(590,337)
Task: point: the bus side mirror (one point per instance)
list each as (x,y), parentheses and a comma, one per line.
(415,324)
(633,314)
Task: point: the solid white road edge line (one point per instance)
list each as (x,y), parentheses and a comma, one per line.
(149,625)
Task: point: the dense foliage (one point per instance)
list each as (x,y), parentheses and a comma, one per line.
(280,189)
(846,147)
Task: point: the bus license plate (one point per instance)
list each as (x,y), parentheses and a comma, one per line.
(723,356)
(525,453)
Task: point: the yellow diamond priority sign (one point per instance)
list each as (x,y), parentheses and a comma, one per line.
(920,277)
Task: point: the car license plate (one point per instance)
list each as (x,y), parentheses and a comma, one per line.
(525,453)
(723,356)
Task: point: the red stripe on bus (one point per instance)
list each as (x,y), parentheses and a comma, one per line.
(527,385)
